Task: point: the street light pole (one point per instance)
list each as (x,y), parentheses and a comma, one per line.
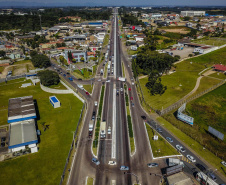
(127,173)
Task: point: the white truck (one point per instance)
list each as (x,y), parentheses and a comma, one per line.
(80,86)
(91,125)
(103,129)
(121,79)
(101,71)
(173,162)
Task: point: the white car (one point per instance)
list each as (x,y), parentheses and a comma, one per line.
(112,163)
(223,163)
(109,130)
(132,83)
(180,148)
(191,158)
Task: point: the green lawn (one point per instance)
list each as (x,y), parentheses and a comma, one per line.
(89,181)
(89,88)
(45,166)
(205,84)
(1,68)
(219,75)
(204,153)
(131,52)
(211,41)
(22,62)
(160,147)
(58,86)
(184,79)
(106,39)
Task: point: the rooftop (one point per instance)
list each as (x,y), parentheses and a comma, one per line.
(22,133)
(21,108)
(220,67)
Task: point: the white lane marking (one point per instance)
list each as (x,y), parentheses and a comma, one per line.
(115,63)
(113,146)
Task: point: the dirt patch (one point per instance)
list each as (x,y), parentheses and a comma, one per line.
(183,30)
(17,69)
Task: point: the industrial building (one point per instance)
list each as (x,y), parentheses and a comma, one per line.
(192,13)
(22,132)
(21,109)
(54,101)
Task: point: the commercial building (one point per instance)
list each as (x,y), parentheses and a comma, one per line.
(193,13)
(54,101)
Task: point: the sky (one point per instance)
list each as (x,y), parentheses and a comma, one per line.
(115,2)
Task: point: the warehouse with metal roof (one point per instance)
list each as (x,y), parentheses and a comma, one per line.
(23,134)
(21,108)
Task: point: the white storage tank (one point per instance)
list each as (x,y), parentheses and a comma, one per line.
(54,101)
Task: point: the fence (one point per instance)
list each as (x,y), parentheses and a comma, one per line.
(184,100)
(73,144)
(12,78)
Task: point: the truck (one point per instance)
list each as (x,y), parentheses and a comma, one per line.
(103,129)
(91,125)
(121,79)
(174,169)
(173,162)
(101,71)
(80,86)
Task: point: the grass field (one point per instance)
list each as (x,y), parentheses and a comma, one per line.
(160,147)
(211,41)
(218,75)
(89,88)
(22,62)
(45,166)
(184,79)
(58,86)
(89,181)
(192,143)
(106,39)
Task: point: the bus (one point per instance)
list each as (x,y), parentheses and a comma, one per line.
(204,179)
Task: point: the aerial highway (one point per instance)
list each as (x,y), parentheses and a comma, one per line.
(115,146)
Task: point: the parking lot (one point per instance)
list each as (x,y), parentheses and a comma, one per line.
(182,53)
(4,135)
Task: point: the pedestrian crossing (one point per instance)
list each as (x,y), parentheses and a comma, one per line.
(183,158)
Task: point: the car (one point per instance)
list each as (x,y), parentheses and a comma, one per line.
(223,163)
(79,79)
(201,167)
(131,98)
(129,89)
(151,165)
(132,83)
(112,163)
(99,80)
(212,176)
(117,92)
(108,81)
(109,130)
(64,74)
(94,160)
(169,139)
(144,118)
(132,104)
(180,148)
(87,93)
(128,66)
(191,158)
(159,130)
(124,168)
(70,78)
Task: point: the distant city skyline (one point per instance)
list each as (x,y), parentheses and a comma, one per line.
(112,3)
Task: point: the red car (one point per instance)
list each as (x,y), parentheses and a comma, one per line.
(129,89)
(131,98)
(87,93)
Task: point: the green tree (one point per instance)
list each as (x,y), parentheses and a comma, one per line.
(48,77)
(2,53)
(41,61)
(186,18)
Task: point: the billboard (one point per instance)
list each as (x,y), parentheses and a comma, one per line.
(216,133)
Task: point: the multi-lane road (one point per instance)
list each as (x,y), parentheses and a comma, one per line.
(116,144)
